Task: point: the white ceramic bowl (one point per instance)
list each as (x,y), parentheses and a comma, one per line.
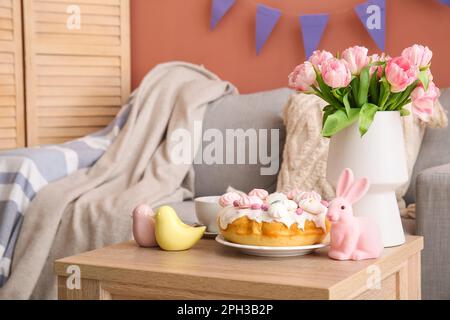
(207,209)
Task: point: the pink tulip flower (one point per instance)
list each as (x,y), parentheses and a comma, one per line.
(418,55)
(303,77)
(423,101)
(376,58)
(400,73)
(336,73)
(318,57)
(356,58)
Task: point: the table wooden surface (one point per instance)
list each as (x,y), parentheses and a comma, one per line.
(212,271)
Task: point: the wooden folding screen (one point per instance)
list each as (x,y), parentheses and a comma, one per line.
(12,130)
(77,63)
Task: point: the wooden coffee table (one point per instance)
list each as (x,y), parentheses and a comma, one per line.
(211,271)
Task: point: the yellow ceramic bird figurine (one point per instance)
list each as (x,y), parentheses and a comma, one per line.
(172,234)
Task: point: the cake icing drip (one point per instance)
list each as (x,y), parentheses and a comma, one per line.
(290,205)
(278,210)
(306,206)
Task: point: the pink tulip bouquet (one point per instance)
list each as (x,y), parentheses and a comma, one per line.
(356,86)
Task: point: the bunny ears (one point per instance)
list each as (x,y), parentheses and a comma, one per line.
(350,190)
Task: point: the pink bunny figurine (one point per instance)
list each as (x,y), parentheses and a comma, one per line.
(352,238)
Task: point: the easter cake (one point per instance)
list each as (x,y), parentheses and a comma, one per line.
(258,218)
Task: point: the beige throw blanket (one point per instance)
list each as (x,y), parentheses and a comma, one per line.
(306,151)
(91,208)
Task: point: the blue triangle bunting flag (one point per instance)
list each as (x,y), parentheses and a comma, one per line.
(373,17)
(266,20)
(313,26)
(218,10)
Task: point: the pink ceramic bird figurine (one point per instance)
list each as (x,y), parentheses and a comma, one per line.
(352,238)
(144,226)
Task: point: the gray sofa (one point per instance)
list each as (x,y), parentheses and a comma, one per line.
(430,187)
(430,190)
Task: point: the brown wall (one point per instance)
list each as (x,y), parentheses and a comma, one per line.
(164,30)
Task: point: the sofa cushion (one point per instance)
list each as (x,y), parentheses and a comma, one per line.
(435,149)
(251,111)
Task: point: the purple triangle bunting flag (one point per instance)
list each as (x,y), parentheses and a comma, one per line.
(373,16)
(447,2)
(266,20)
(313,26)
(218,10)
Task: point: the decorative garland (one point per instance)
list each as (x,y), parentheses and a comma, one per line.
(372,15)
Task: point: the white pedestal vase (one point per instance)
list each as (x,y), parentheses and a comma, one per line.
(380,156)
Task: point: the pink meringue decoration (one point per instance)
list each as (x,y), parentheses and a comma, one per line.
(291,194)
(299,211)
(245,202)
(307,195)
(229,198)
(312,206)
(260,193)
(255,200)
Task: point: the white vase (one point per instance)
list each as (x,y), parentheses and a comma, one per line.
(380,156)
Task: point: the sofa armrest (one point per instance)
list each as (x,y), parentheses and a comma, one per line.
(433,222)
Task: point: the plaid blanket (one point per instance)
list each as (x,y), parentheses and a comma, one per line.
(23,172)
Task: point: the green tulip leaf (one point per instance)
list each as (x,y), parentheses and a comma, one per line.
(384,93)
(339,120)
(355,86)
(346,104)
(327,111)
(328,95)
(405,96)
(423,77)
(374,88)
(337,94)
(366,117)
(404,103)
(329,108)
(394,98)
(363,90)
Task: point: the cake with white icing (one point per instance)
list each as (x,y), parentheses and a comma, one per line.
(259,218)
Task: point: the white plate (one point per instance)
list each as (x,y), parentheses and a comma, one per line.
(271,251)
